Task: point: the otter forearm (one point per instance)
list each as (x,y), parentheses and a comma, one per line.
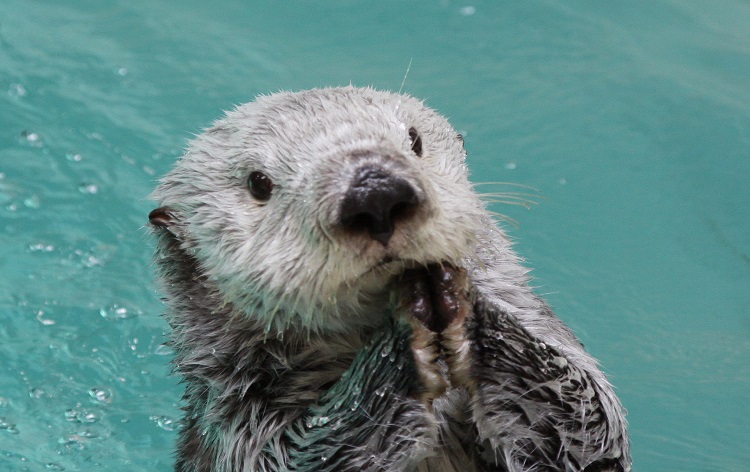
(551,409)
(367,420)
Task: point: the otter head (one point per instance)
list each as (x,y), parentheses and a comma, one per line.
(301,208)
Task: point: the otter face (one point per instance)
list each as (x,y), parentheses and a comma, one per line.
(301,208)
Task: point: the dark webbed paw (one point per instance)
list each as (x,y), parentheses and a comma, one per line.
(436,295)
(435,300)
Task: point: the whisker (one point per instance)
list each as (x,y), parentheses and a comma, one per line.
(511,184)
(519,194)
(505,219)
(524,203)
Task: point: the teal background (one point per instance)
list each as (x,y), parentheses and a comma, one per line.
(631,119)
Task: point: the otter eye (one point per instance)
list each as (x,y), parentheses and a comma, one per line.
(416,142)
(260,186)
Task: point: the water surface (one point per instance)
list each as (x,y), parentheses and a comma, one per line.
(631,119)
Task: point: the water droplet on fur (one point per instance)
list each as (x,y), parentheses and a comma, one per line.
(323,420)
(392,357)
(323,458)
(386,350)
(355,405)
(381,391)
(560,362)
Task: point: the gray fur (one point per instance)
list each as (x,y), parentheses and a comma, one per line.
(288,332)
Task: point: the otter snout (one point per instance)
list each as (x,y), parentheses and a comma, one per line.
(375,201)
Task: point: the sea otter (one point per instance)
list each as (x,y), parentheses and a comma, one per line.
(341,300)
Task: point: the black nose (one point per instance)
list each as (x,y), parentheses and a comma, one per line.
(374,201)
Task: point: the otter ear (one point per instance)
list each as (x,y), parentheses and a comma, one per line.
(167,218)
(162,217)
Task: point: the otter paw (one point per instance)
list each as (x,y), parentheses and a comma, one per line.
(436,295)
(434,299)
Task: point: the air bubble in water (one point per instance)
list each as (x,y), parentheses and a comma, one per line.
(165,422)
(8,426)
(17,90)
(44,321)
(116,312)
(467,10)
(31,137)
(101,395)
(81,415)
(73,441)
(88,188)
(41,247)
(34,202)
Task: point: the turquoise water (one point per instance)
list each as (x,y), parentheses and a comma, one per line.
(632,119)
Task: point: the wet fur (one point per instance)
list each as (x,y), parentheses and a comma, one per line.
(295,351)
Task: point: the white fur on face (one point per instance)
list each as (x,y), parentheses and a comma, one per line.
(286,259)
